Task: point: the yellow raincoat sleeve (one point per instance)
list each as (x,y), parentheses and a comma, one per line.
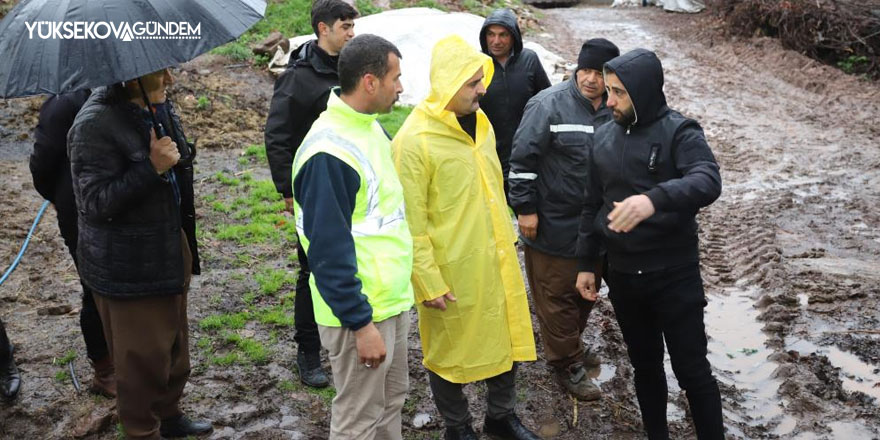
(415,177)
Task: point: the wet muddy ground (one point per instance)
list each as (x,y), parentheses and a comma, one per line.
(790,258)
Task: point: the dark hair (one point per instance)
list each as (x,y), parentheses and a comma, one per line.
(328,11)
(364,54)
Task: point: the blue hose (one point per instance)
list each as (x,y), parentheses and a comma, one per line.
(26,241)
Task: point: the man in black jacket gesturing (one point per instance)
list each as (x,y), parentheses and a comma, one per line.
(651,171)
(301,94)
(137,246)
(518,77)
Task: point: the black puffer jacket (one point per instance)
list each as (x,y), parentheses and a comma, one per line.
(513,84)
(662,155)
(300,95)
(549,165)
(49,165)
(129,221)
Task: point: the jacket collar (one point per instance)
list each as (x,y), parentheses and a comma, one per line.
(337,108)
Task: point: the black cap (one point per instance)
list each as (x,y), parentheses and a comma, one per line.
(595,53)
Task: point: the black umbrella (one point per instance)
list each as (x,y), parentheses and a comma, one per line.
(57,46)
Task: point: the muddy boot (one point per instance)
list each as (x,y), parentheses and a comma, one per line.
(10,378)
(104,381)
(591,359)
(574,379)
(461,433)
(310,372)
(508,428)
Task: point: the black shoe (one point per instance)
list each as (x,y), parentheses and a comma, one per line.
(10,378)
(508,428)
(182,426)
(461,433)
(310,371)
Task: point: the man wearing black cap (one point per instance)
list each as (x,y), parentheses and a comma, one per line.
(548,173)
(651,171)
(518,77)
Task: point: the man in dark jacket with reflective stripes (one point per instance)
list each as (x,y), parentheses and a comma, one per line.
(300,95)
(137,246)
(651,171)
(518,77)
(548,175)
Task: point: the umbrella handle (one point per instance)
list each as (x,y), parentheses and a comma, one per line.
(160,130)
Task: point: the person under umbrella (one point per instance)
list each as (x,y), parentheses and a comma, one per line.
(131,169)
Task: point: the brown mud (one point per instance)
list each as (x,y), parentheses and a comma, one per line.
(790,254)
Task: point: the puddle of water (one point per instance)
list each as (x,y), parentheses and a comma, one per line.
(601,374)
(740,358)
(855,374)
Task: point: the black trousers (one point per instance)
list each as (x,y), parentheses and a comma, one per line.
(306,335)
(453,405)
(660,306)
(4,344)
(89,319)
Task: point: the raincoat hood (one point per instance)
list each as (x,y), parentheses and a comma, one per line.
(502,17)
(641,73)
(453,62)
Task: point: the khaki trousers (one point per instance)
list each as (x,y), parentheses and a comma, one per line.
(368,401)
(149,341)
(562,312)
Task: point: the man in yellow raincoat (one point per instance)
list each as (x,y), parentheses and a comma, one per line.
(474,317)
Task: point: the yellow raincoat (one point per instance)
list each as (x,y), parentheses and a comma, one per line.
(463,237)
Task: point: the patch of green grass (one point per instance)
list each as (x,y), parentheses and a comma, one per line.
(277,316)
(288,386)
(254,352)
(248,234)
(227,321)
(120,432)
(202,103)
(62,376)
(256,150)
(66,359)
(271,280)
(204,344)
(291,17)
(225,360)
(852,63)
(227,180)
(392,121)
(326,394)
(221,207)
(209,198)
(366,7)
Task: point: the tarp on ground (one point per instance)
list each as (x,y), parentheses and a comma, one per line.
(415,31)
(687,6)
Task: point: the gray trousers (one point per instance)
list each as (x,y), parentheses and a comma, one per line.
(453,405)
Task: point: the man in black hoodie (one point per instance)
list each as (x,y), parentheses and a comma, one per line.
(300,95)
(518,77)
(651,171)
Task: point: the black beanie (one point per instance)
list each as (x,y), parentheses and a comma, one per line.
(595,53)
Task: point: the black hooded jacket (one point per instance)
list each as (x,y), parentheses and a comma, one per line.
(49,165)
(662,155)
(300,95)
(513,84)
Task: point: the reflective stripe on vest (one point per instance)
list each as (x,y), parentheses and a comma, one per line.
(373,222)
(559,128)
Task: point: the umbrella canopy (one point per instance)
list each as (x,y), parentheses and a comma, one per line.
(57,46)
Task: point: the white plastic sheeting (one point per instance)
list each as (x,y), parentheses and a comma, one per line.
(415,31)
(687,6)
